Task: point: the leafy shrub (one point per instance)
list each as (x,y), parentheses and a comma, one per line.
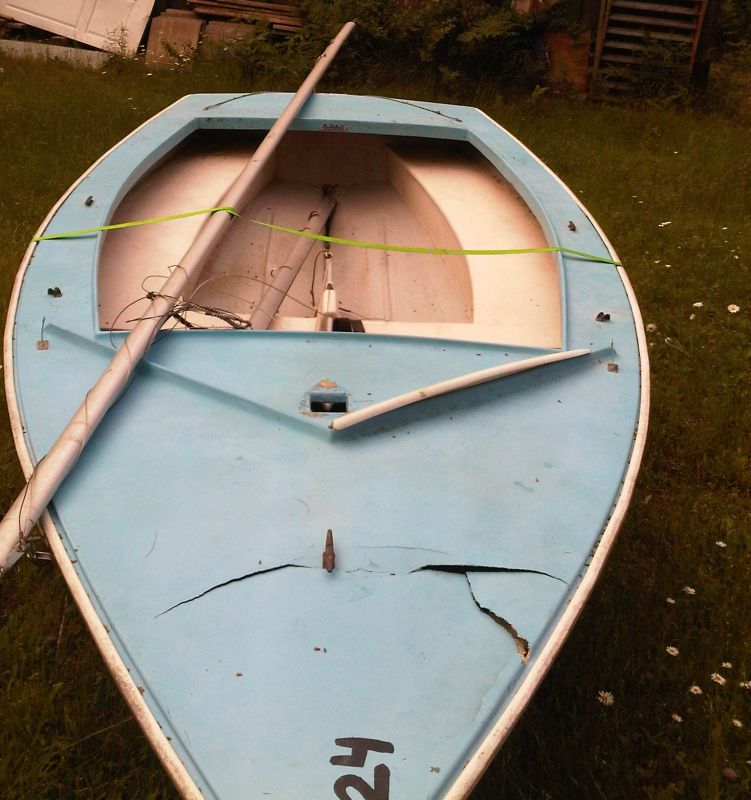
(450,39)
(736,24)
(730,76)
(661,77)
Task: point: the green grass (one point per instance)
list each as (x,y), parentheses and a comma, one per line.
(67,734)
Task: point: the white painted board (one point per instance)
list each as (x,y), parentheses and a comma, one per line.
(106,24)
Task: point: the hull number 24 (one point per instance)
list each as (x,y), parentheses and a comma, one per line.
(378,787)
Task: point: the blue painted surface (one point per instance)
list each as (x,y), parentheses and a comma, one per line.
(198,513)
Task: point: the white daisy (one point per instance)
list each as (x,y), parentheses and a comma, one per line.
(606,698)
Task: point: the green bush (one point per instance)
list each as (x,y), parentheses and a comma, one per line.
(730,77)
(736,24)
(661,78)
(449,39)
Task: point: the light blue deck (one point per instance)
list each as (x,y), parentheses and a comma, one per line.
(206,471)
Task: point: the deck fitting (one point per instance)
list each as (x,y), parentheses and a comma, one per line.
(329,556)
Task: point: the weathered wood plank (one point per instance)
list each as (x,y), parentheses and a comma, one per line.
(664,8)
(643,33)
(282,8)
(659,21)
(261,16)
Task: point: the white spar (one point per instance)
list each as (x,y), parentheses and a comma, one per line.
(263,314)
(451,385)
(50,472)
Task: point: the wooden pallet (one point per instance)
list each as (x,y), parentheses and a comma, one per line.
(628,31)
(283,18)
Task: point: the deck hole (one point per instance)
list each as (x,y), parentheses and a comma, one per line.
(328,402)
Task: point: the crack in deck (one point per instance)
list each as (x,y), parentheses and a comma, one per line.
(463,569)
(228,583)
(522,645)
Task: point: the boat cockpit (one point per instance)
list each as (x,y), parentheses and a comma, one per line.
(400,194)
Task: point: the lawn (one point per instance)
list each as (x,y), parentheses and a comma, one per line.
(667,632)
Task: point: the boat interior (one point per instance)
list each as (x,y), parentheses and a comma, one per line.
(403,192)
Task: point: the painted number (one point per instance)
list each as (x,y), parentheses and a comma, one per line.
(358,753)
